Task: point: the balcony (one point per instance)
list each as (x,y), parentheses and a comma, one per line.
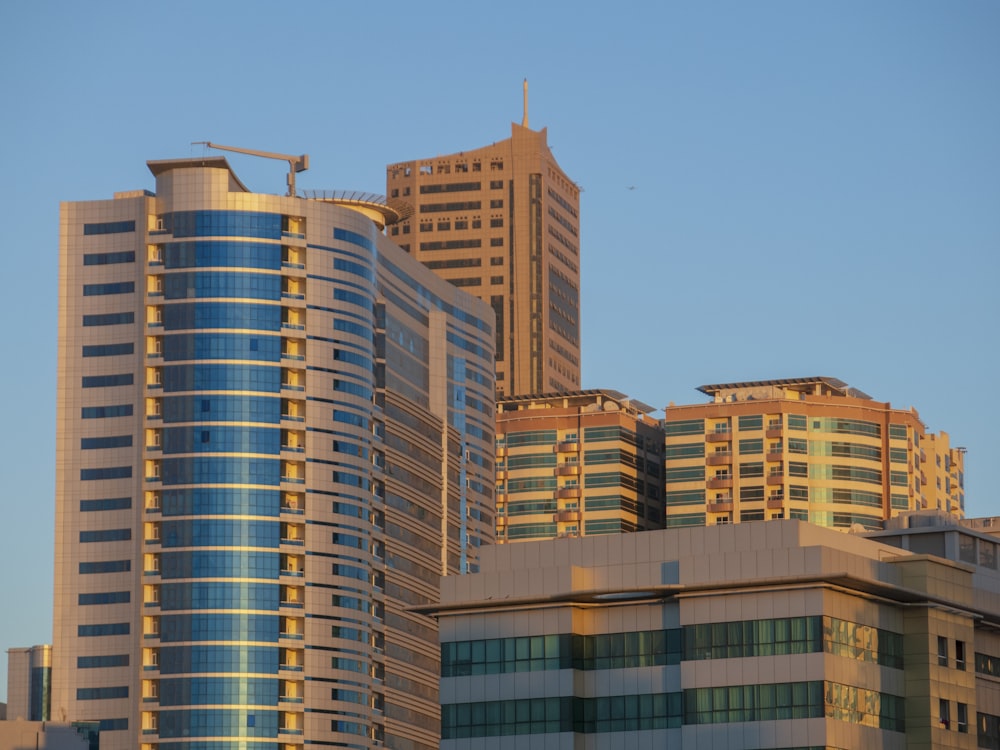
(293,449)
(290,698)
(721,436)
(773,429)
(567,493)
(568,470)
(290,667)
(566,516)
(568,446)
(293,417)
(291,636)
(719,458)
(291,604)
(294,573)
(775,479)
(776,501)
(294,542)
(294,480)
(775,454)
(720,505)
(720,482)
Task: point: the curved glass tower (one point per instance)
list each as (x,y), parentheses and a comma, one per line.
(275,434)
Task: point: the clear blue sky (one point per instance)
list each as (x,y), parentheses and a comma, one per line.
(816,184)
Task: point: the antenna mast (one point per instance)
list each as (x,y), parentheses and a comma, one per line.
(524,122)
(295,163)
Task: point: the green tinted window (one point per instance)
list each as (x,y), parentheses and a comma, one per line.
(685,427)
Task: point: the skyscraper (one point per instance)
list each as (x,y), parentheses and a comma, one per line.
(807,448)
(275,432)
(503,222)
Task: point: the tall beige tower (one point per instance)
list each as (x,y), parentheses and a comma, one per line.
(503,222)
(275,434)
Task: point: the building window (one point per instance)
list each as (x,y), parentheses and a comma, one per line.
(426,226)
(942,644)
(496,242)
(444,226)
(944,712)
(496,184)
(496,203)
(477,224)
(962,716)
(960,655)
(498,222)
(496,279)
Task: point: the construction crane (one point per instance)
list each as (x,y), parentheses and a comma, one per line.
(295,163)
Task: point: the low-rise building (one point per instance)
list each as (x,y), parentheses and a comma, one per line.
(756,635)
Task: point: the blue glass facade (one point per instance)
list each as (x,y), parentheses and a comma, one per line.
(219,475)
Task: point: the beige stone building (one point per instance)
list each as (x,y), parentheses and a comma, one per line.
(765,635)
(503,223)
(577,464)
(807,448)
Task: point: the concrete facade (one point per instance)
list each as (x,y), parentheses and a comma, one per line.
(503,223)
(29,683)
(806,448)
(756,635)
(577,464)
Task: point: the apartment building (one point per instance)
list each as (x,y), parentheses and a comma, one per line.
(812,449)
(577,464)
(275,432)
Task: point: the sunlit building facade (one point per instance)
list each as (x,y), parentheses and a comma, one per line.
(275,432)
(503,223)
(812,449)
(751,636)
(29,683)
(577,464)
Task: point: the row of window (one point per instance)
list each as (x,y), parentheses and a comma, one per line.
(624,713)
(219,595)
(727,640)
(219,501)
